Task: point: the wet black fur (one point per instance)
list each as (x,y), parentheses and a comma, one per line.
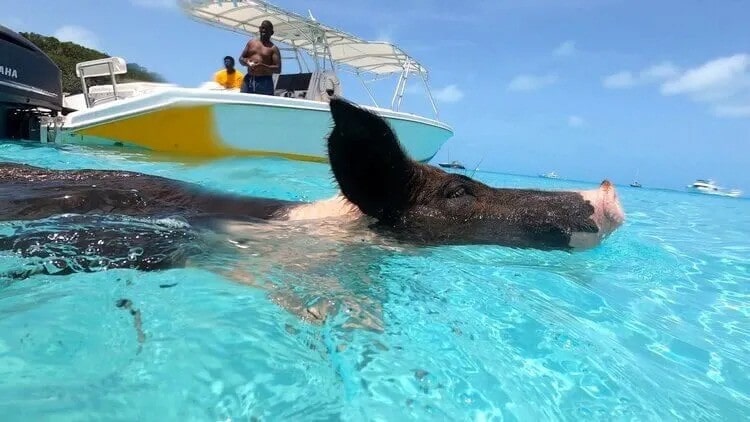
(423,204)
(30,193)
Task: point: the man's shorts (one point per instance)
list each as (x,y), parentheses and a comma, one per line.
(257,85)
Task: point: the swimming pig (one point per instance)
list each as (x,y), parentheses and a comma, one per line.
(421,203)
(406,200)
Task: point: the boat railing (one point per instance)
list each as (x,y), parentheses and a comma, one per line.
(314,86)
(109,66)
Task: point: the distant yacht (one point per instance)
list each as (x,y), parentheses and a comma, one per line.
(709,187)
(453,165)
(550,175)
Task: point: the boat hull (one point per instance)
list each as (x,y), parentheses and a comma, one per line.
(730,194)
(217,124)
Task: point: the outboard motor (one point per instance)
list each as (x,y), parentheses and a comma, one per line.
(30,87)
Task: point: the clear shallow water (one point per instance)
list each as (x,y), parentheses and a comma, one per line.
(652,325)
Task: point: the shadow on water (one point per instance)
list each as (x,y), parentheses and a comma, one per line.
(68,244)
(312,276)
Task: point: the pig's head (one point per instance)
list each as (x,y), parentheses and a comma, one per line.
(424,204)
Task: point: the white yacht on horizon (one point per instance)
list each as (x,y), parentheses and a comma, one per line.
(709,187)
(550,175)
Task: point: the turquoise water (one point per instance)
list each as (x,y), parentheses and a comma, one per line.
(652,325)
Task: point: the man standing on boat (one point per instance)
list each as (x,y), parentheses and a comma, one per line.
(262,59)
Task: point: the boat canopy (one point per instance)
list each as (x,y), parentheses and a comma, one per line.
(328,47)
(304,33)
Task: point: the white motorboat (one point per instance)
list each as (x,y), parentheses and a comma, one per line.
(709,187)
(207,122)
(452,165)
(550,175)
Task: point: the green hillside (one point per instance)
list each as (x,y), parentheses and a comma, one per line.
(67,54)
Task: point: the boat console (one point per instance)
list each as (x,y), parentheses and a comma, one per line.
(292,85)
(315,86)
(30,87)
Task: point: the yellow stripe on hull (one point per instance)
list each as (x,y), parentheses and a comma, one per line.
(182,130)
(204,125)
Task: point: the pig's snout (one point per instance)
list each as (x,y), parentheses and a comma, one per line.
(608,215)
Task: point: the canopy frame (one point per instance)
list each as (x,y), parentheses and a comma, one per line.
(328,48)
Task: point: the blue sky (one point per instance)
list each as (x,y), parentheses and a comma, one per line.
(587,88)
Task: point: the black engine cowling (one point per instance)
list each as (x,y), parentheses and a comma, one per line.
(30,86)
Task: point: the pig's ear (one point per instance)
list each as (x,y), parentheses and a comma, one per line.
(368,162)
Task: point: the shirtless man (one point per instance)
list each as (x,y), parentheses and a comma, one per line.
(262,59)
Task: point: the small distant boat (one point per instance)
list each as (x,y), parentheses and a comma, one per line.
(709,187)
(550,175)
(452,165)
(636,183)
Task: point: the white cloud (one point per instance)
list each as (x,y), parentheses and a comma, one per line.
(715,80)
(568,48)
(576,121)
(627,79)
(449,94)
(531,82)
(722,83)
(661,71)
(78,35)
(156,4)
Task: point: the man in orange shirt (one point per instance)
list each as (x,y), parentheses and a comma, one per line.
(229,77)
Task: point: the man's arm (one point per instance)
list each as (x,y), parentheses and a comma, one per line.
(245,54)
(276,60)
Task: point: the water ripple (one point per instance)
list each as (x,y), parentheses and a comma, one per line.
(652,325)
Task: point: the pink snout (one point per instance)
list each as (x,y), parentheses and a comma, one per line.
(608,215)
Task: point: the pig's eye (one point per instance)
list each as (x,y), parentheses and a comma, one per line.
(455,192)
